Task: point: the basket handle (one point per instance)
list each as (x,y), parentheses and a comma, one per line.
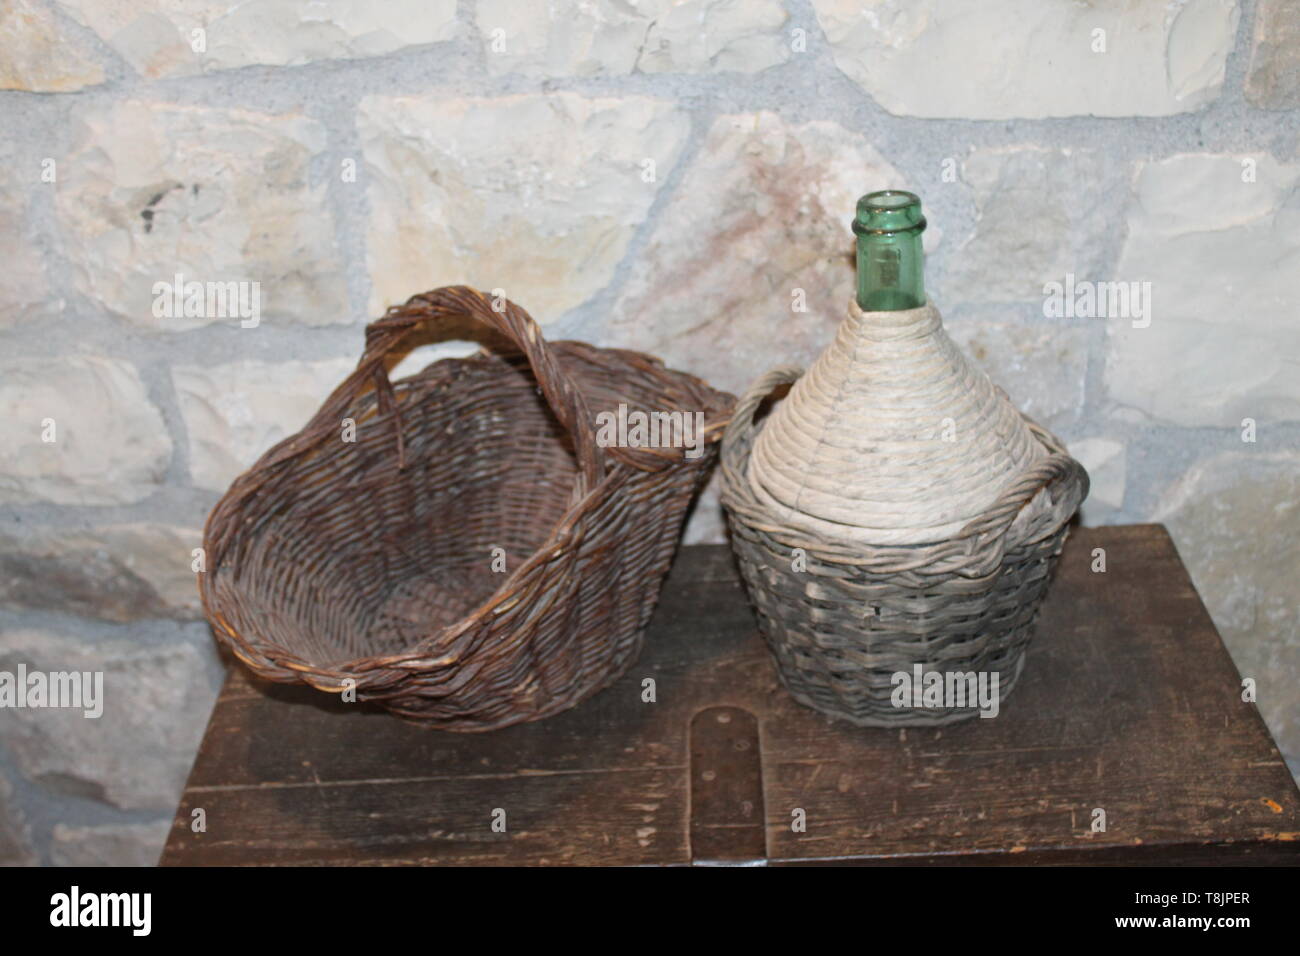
(383,336)
(742,418)
(1047,472)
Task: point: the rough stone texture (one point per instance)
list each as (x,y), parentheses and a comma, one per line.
(763,211)
(1224,332)
(581,37)
(111,445)
(118,572)
(1105,461)
(15,836)
(706,524)
(1040,363)
(118,844)
(233,413)
(1030,227)
(157,36)
(217,195)
(1236,519)
(535,194)
(157,698)
(1032,58)
(1274,78)
(25,293)
(422,356)
(37,56)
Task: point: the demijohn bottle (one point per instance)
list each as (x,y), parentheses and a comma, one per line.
(892,436)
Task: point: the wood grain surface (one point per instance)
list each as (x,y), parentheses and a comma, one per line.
(1129,703)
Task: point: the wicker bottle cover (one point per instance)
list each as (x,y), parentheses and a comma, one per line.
(891,437)
(894,515)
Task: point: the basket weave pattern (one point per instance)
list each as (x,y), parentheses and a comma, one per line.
(371,561)
(858,614)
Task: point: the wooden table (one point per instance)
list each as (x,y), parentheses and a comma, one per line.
(1128,703)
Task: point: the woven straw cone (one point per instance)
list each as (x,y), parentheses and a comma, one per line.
(892,437)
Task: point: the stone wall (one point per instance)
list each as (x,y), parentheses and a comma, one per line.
(670,175)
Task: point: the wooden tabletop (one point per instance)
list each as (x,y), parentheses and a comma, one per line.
(1129,703)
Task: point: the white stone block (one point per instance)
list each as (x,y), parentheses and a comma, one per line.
(166,38)
(589,37)
(37,55)
(79,430)
(538,195)
(1001,59)
(1218,239)
(235,412)
(154,190)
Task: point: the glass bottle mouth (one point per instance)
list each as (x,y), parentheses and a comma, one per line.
(888,211)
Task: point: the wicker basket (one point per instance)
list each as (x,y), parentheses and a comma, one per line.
(370,563)
(842,618)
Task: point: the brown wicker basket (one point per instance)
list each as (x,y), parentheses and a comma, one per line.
(842,626)
(371,561)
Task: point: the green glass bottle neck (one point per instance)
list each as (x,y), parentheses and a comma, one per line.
(891,263)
